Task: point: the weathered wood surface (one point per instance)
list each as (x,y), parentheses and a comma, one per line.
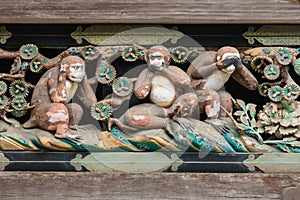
(155,11)
(62,185)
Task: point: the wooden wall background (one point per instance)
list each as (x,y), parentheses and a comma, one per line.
(154,11)
(59,185)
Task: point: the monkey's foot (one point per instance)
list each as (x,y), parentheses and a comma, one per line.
(74,138)
(69,136)
(73,127)
(121,125)
(61,131)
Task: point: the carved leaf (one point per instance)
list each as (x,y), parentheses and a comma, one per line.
(260,130)
(242,126)
(283,147)
(252,109)
(239,113)
(241,103)
(244,120)
(295,143)
(289,139)
(253,123)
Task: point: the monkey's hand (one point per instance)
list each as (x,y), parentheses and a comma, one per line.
(227,62)
(174,110)
(238,63)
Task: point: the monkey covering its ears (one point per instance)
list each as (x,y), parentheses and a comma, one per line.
(52,95)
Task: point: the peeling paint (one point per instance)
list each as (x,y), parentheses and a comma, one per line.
(138,117)
(214,110)
(57,117)
(52,90)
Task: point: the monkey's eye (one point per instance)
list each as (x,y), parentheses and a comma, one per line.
(159,57)
(75,67)
(152,57)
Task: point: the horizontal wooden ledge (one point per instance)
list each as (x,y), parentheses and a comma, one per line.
(158,12)
(32,185)
(146,21)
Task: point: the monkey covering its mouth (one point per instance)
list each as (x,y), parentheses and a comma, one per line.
(156,61)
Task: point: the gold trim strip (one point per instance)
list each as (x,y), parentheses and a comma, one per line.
(125,35)
(4,34)
(274,35)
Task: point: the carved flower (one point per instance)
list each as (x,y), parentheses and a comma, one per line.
(280,119)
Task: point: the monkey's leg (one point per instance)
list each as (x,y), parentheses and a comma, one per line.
(209,103)
(52,117)
(226,103)
(75,113)
(185,105)
(146,116)
(143,84)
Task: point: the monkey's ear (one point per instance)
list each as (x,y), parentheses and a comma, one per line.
(63,68)
(169,59)
(169,56)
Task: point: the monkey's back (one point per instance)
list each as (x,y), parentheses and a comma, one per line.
(41,93)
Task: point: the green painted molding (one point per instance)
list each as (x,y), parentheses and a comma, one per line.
(128,162)
(274,162)
(3,161)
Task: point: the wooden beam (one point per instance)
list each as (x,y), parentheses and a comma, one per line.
(60,185)
(155,11)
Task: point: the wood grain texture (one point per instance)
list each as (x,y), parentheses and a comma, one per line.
(62,185)
(154,11)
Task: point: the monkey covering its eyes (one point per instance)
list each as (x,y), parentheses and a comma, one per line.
(210,71)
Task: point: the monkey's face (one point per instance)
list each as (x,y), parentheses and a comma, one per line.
(156,61)
(76,72)
(74,67)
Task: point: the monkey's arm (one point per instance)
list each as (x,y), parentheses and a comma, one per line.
(52,85)
(86,94)
(179,78)
(57,89)
(57,85)
(206,64)
(203,65)
(244,77)
(143,84)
